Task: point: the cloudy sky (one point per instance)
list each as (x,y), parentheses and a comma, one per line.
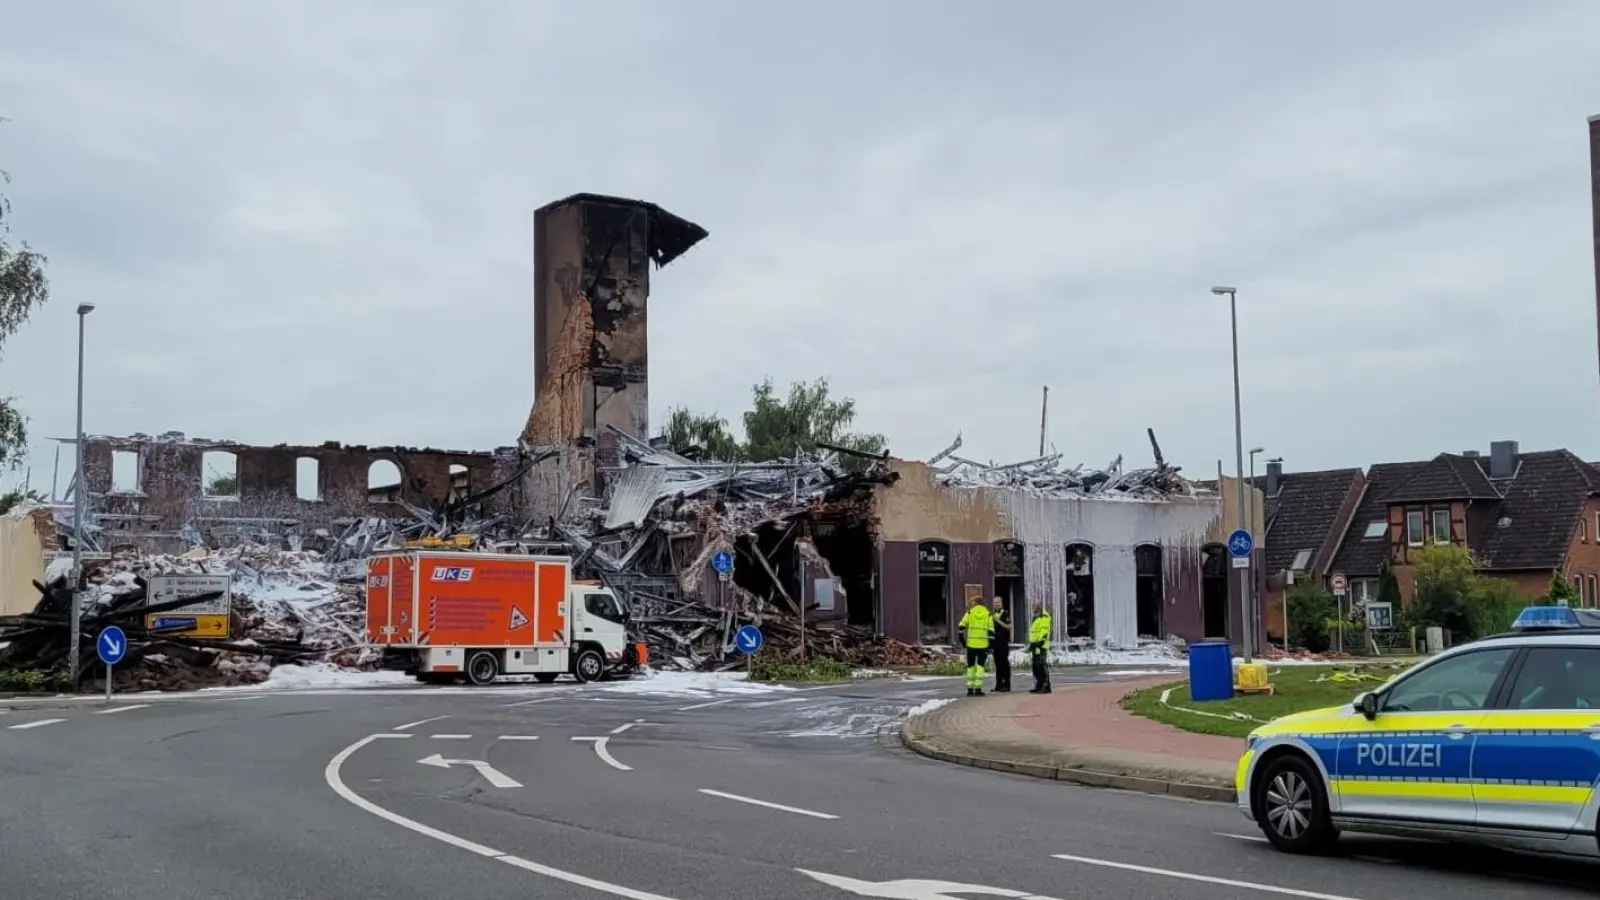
(312,221)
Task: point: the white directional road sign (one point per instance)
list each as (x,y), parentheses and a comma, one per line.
(112,645)
(917,888)
(490,773)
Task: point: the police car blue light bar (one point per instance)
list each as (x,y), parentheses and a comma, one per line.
(1541,617)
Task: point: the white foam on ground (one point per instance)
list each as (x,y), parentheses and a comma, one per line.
(929,706)
(692,684)
(873,673)
(1139,673)
(320,675)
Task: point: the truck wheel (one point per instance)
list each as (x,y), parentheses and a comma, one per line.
(482,668)
(1292,806)
(589,666)
(545,677)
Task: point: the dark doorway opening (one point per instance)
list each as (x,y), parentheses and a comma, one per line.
(1214,590)
(1008,584)
(1080,591)
(847,543)
(1147,590)
(933,592)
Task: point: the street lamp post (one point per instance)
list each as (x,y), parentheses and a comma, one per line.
(78,512)
(1238,451)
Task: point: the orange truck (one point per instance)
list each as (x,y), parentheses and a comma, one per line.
(476,616)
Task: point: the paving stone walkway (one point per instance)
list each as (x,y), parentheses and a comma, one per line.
(1079,733)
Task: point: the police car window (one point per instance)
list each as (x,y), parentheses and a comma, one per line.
(602,605)
(1558,678)
(1462,682)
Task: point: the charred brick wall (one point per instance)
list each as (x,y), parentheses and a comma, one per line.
(170,487)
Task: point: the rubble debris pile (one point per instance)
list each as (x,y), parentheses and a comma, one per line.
(287,607)
(1045,475)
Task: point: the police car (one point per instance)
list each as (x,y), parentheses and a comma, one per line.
(1496,742)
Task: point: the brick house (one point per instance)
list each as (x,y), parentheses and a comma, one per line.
(1523,515)
(1306,515)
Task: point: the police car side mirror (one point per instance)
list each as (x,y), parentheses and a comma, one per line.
(1367,704)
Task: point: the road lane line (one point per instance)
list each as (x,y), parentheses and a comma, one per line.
(1204,879)
(531,702)
(604,754)
(410,725)
(37,723)
(335,780)
(1253,838)
(112,712)
(621,728)
(451,737)
(704,705)
(232,699)
(754,802)
(518,737)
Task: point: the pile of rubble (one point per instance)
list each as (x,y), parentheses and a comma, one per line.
(287,607)
(1045,475)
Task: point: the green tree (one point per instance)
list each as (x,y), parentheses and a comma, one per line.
(1560,592)
(1494,607)
(23,288)
(701,437)
(1311,609)
(775,427)
(222,485)
(1446,584)
(16,497)
(1389,588)
(780,427)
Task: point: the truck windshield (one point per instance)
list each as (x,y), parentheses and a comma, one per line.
(603,606)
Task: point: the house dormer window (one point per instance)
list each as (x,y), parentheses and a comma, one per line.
(1375,529)
(1441,526)
(1414,535)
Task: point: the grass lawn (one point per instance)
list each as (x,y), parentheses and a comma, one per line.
(1295,689)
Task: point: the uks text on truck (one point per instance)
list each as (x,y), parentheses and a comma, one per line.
(477,616)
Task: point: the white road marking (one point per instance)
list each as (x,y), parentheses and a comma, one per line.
(621,728)
(604,754)
(531,702)
(112,712)
(754,802)
(410,725)
(451,737)
(231,699)
(1253,838)
(37,723)
(518,737)
(1205,879)
(704,705)
(335,780)
(490,773)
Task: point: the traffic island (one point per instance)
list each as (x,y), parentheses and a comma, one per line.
(1078,735)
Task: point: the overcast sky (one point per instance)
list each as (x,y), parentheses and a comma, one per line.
(312,221)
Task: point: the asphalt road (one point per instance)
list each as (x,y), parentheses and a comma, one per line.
(594,793)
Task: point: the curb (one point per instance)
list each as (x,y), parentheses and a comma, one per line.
(1071,774)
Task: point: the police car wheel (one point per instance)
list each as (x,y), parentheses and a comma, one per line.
(1292,806)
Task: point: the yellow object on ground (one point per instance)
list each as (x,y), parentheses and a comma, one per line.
(1251,678)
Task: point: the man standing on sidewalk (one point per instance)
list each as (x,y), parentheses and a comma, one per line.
(975,627)
(1002,648)
(1039,649)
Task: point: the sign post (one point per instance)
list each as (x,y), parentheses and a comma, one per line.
(1240,546)
(205,619)
(112,646)
(1341,586)
(722,561)
(748,640)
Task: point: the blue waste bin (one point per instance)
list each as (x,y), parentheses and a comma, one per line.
(1210,671)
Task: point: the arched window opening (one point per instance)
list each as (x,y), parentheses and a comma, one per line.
(1148,592)
(383,481)
(1080,591)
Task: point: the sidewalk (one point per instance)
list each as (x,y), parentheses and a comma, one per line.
(1080,734)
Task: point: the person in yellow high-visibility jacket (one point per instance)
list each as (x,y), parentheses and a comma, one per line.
(975,628)
(1039,649)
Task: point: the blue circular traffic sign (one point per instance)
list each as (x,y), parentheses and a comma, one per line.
(112,645)
(748,639)
(722,561)
(1240,543)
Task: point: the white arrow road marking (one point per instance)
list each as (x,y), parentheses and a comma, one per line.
(490,773)
(916,888)
(754,802)
(1205,879)
(37,723)
(335,780)
(604,754)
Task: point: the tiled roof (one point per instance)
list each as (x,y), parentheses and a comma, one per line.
(1445,477)
(1301,514)
(1360,556)
(1543,504)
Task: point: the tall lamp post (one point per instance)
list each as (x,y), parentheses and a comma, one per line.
(1279,461)
(1238,451)
(78,512)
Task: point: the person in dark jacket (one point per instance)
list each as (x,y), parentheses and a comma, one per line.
(1002,647)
